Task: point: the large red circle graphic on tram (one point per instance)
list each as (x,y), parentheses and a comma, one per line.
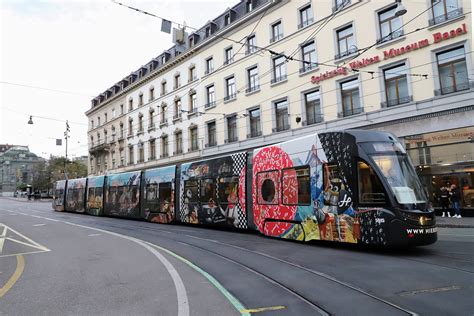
(274,159)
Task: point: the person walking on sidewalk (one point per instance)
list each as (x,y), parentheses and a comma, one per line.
(444,200)
(455,197)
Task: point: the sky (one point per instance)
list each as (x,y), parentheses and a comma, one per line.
(58,55)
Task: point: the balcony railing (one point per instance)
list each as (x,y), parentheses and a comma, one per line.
(210,144)
(318,118)
(252,88)
(177,116)
(452,89)
(278,79)
(151,127)
(281,128)
(230,97)
(346,113)
(210,105)
(140,131)
(390,36)
(307,66)
(276,38)
(398,101)
(254,134)
(231,140)
(208,71)
(446,17)
(192,111)
(306,23)
(348,52)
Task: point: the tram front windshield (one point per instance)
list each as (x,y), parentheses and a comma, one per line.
(397,169)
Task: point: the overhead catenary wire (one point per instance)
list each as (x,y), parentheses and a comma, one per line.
(204,111)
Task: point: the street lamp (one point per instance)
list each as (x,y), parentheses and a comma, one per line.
(66,136)
(400,10)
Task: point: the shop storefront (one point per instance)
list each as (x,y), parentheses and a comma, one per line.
(445,158)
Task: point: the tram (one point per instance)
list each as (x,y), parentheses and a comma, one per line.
(351,186)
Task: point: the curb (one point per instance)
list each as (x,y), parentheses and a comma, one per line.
(454,226)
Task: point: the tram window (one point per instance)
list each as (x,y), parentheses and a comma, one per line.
(228,188)
(191,190)
(370,188)
(296,186)
(165,192)
(208,191)
(152,191)
(268,188)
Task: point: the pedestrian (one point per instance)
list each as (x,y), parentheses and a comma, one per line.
(455,197)
(444,201)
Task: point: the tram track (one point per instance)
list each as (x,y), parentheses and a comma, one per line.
(315,305)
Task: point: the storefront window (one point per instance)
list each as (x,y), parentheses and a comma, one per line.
(442,159)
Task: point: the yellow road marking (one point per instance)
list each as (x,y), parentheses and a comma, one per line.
(262,309)
(20,266)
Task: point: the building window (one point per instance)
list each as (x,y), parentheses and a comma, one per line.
(193,132)
(140,99)
(113,133)
(131,159)
(105,118)
(444,10)
(163,88)
(209,65)
(141,153)
(312,102)
(229,55)
(452,70)
(121,109)
(163,113)
(177,81)
(151,122)
(254,121)
(339,4)
(253,79)
(179,143)
(208,31)
(211,96)
(192,74)
(232,129)
(122,158)
(130,105)
(164,146)
(396,85)
(277,32)
(230,89)
(113,113)
(140,123)
(249,5)
(98,121)
(152,150)
(227,19)
(306,16)
(193,103)
(121,130)
(211,134)
(177,109)
(345,42)
(251,44)
(390,25)
(130,127)
(279,69)
(152,94)
(350,97)
(308,52)
(92,124)
(281,116)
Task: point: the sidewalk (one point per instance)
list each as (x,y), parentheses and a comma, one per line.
(464,222)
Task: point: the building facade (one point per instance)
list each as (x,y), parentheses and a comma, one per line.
(17,167)
(303,66)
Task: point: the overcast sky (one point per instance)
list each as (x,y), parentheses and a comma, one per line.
(81,47)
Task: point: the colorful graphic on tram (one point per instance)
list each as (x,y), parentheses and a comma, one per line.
(158,203)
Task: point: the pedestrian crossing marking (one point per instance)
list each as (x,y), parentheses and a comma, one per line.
(11,235)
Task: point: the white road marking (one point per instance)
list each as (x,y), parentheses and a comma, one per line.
(30,243)
(37,225)
(2,238)
(183,302)
(93,235)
